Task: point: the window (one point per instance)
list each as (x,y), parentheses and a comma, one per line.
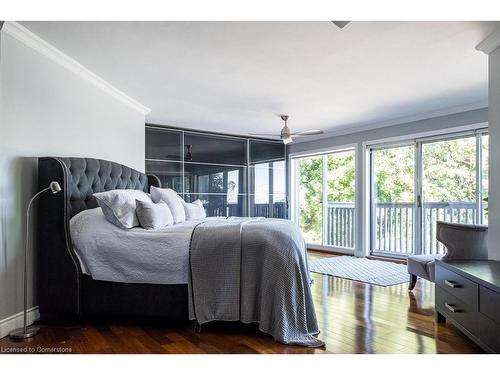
(232,186)
(393,199)
(485,175)
(428,180)
(310,198)
(268,189)
(324,198)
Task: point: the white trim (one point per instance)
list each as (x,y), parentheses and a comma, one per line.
(323,150)
(427,134)
(16,321)
(324,199)
(363,249)
(36,43)
(359,128)
(490,43)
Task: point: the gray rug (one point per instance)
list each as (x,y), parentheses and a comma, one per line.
(361,269)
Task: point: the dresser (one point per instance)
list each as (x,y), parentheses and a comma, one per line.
(468,296)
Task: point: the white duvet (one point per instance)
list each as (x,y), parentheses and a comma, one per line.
(136,255)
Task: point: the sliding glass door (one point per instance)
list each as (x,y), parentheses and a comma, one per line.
(324,196)
(309,197)
(393,199)
(449,187)
(340,185)
(417,184)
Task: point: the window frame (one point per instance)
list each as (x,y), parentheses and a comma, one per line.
(478,131)
(294,210)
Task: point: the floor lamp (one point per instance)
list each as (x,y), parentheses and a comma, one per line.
(27,332)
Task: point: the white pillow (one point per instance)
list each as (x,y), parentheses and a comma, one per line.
(153,215)
(173,200)
(118,206)
(194,210)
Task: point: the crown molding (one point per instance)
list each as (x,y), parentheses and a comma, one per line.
(36,43)
(491,43)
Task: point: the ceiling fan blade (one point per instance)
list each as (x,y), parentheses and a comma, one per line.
(264,135)
(307,132)
(340,24)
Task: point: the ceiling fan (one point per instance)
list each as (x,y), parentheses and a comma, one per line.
(286,135)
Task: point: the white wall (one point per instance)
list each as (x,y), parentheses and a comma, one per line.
(494,155)
(48,110)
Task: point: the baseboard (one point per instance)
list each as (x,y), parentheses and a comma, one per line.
(16,321)
(330,250)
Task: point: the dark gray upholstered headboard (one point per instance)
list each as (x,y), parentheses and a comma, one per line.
(79,178)
(84,176)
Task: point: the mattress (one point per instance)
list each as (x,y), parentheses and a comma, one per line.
(136,255)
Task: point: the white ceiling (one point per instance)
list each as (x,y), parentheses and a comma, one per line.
(236,77)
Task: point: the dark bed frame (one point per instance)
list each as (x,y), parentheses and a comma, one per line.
(63,290)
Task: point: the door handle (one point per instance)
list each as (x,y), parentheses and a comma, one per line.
(452,284)
(451,307)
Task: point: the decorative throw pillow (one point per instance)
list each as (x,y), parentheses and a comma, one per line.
(153,215)
(194,210)
(118,206)
(173,200)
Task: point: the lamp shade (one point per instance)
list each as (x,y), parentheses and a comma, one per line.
(55,187)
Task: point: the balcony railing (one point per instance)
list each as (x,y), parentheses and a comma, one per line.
(340,225)
(276,210)
(221,208)
(394,227)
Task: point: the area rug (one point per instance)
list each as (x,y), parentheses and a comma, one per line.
(375,272)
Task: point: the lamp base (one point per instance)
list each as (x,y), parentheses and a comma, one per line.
(22,334)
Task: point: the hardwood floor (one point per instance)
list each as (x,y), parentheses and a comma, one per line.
(354,318)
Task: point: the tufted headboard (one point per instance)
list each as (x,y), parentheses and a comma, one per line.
(79,179)
(82,177)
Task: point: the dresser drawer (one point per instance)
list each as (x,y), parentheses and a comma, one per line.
(455,309)
(489,303)
(489,334)
(458,286)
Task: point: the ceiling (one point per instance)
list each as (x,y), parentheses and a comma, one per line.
(237,77)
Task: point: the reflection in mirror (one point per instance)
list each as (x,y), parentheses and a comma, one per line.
(169,173)
(221,204)
(204,178)
(163,144)
(265,151)
(218,169)
(206,148)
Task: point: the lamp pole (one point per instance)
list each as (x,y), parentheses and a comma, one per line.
(27,332)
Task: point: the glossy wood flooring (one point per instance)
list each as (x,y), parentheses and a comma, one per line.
(354,318)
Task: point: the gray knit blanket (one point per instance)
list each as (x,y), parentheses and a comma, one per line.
(253,271)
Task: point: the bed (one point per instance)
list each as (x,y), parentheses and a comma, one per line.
(64,291)
(245,269)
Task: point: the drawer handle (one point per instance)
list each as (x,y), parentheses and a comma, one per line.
(452,284)
(451,307)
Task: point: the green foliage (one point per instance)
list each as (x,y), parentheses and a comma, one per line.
(311,198)
(449,175)
(393,172)
(450,171)
(341,188)
(341,177)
